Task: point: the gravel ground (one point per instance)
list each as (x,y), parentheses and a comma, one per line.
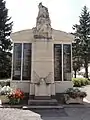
(16,114)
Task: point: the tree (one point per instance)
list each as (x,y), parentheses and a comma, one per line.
(77,63)
(77,60)
(5,42)
(82,38)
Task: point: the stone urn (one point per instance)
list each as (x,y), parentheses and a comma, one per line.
(74,95)
(4,99)
(77,100)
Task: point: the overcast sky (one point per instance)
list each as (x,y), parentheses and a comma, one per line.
(63,13)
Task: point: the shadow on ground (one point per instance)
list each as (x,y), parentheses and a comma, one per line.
(47,114)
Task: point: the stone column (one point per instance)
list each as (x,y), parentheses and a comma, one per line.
(43,67)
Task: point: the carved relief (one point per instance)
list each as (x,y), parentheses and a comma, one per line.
(37,79)
(43,24)
(49,78)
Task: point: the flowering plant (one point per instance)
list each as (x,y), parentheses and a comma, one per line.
(16,96)
(74,93)
(5,90)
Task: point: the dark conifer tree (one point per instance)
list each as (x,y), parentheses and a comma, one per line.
(5,41)
(81,46)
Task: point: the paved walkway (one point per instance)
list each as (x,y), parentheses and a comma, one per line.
(69,113)
(87,90)
(66,113)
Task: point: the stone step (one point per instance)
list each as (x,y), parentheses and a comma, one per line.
(42,97)
(43,102)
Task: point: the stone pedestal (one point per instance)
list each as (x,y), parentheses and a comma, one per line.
(43,89)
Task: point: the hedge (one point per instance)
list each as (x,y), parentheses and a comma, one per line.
(78,82)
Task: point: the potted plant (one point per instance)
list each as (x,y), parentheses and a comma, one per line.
(15,97)
(4,91)
(74,95)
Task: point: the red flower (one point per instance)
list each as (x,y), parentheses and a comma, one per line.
(18,94)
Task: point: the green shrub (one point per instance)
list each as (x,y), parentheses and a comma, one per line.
(5,83)
(74,93)
(78,82)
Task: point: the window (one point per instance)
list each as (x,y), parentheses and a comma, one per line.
(62,62)
(67,62)
(58,62)
(26,75)
(17,61)
(22,61)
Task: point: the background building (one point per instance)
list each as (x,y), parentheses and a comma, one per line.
(42,58)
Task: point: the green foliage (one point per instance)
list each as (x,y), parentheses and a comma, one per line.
(77,63)
(5,42)
(81,45)
(75,92)
(5,83)
(78,82)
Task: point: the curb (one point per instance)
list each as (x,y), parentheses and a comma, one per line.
(11,106)
(62,106)
(77,106)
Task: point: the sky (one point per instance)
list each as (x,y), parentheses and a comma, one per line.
(63,13)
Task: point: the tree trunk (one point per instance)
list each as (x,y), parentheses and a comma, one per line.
(86,68)
(75,74)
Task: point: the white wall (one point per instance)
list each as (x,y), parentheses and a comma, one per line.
(61,86)
(24,86)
